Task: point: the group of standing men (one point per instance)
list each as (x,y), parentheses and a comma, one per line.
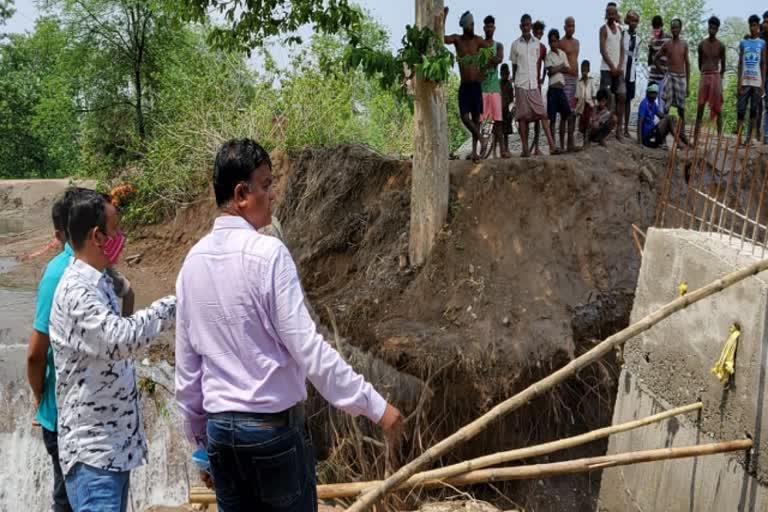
(245,347)
(484,94)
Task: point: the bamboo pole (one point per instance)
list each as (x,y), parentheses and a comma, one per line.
(538,388)
(683,181)
(533,471)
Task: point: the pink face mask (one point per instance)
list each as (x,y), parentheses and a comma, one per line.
(113,246)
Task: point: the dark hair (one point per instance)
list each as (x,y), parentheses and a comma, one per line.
(553,33)
(235,162)
(676,20)
(611,4)
(657,22)
(585,62)
(754,19)
(88,211)
(539,25)
(714,20)
(524,18)
(765,14)
(504,67)
(602,94)
(489,20)
(60,209)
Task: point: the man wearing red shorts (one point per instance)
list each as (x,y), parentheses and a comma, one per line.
(492,87)
(712,67)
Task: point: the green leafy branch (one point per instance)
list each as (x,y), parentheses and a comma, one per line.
(481,59)
(422,55)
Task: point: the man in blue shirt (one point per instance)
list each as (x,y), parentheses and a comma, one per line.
(40,368)
(752,72)
(650,133)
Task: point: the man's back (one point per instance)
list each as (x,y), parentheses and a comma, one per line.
(227,319)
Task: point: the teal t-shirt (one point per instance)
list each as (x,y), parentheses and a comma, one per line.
(491,82)
(46,413)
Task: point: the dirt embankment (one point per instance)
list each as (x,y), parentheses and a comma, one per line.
(536,260)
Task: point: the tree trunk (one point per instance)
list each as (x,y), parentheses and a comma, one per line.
(430,181)
(140,128)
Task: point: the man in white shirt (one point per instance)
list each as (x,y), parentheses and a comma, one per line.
(101,438)
(525,56)
(612,67)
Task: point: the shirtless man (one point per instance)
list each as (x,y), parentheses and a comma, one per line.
(712,67)
(470,91)
(570,45)
(612,67)
(678,72)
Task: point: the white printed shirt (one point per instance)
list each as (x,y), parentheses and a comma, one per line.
(553,60)
(99,421)
(525,55)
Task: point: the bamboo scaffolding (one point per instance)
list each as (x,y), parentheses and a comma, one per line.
(538,388)
(737,200)
(661,208)
(719,183)
(689,183)
(350,490)
(683,182)
(744,225)
(734,158)
(702,175)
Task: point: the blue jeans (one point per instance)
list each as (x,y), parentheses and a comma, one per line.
(261,463)
(97,490)
(60,501)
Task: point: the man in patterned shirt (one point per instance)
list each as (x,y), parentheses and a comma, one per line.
(100,430)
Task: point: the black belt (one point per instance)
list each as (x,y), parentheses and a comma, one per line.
(289,418)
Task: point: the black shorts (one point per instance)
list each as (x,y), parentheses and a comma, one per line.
(615,84)
(557,103)
(653,139)
(630,90)
(470,98)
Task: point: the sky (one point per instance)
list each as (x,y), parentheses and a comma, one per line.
(396,14)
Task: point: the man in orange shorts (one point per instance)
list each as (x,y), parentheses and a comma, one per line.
(491,86)
(712,67)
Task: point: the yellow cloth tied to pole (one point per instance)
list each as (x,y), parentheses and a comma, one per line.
(725,365)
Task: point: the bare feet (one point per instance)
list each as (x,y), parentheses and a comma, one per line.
(603,143)
(536,152)
(618,136)
(626,133)
(506,154)
(525,154)
(571,148)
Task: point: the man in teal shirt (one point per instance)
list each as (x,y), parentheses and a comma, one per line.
(40,368)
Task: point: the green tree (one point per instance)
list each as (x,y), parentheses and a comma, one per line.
(248,24)
(119,42)
(38,112)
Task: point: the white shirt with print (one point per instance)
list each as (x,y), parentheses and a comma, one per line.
(99,421)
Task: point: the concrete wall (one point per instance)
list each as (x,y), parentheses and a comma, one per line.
(670,365)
